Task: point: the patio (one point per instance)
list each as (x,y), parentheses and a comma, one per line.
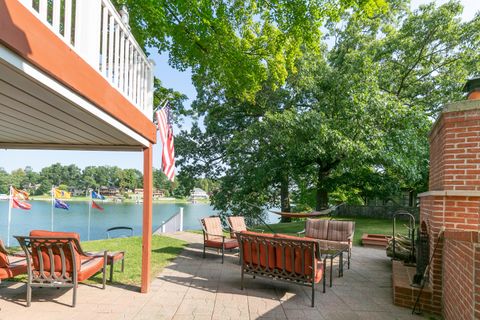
(196,288)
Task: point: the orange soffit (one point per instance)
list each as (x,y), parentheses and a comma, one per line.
(28,37)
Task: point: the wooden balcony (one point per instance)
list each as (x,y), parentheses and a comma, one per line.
(102,37)
(72,76)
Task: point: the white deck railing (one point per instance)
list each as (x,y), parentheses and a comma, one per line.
(102,37)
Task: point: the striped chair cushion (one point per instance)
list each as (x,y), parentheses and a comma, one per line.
(213,225)
(237,223)
(340,230)
(316,228)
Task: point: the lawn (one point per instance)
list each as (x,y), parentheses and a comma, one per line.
(164,250)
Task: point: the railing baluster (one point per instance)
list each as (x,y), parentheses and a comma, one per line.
(104,41)
(122,61)
(140,85)
(135,76)
(56,15)
(42,9)
(68,21)
(126,67)
(116,55)
(111,30)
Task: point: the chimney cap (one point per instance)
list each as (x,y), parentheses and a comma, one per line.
(472,84)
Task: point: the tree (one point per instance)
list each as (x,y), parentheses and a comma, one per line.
(337,120)
(238,44)
(4,181)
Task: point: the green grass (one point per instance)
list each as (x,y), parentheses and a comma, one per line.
(362,225)
(164,250)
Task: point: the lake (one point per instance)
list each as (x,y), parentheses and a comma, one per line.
(115,214)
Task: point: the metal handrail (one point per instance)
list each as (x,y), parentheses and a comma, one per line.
(119,228)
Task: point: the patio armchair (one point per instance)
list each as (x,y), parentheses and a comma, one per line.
(237,224)
(56,259)
(213,236)
(11,265)
(331,233)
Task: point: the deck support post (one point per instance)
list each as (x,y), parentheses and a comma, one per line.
(147,217)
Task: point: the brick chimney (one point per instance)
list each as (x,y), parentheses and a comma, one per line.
(453,203)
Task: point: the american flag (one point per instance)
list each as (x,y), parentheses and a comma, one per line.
(166,136)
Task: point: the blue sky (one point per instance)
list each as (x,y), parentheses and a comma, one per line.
(180,81)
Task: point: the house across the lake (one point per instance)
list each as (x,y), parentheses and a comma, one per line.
(197,194)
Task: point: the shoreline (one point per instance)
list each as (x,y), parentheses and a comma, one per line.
(129,201)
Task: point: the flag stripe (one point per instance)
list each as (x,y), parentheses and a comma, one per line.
(166,137)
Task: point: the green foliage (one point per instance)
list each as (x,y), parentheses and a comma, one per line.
(238,45)
(352,120)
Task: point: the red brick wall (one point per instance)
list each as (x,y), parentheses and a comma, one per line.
(437,161)
(455,152)
(453,203)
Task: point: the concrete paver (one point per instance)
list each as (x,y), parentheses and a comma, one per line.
(196,288)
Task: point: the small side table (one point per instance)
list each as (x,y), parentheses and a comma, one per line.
(112,258)
(332,253)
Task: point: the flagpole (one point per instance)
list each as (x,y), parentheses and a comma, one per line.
(9,216)
(53,204)
(89,213)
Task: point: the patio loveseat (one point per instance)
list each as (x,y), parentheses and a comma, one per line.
(287,258)
(331,234)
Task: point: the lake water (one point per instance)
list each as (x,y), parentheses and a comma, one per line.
(76,219)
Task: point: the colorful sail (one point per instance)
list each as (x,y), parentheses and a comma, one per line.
(17,204)
(97,196)
(61,204)
(97,206)
(57,193)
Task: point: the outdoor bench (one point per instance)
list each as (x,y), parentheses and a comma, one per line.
(331,234)
(281,257)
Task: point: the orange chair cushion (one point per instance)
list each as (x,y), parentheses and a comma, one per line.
(297,256)
(3,260)
(229,243)
(251,252)
(16,266)
(56,252)
(89,267)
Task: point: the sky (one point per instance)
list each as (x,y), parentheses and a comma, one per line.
(171,78)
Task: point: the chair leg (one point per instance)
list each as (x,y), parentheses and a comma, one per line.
(74,298)
(29,295)
(111,271)
(349,255)
(123,264)
(241,281)
(313,293)
(223,252)
(104,279)
(203,251)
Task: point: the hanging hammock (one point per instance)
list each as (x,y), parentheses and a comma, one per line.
(312,214)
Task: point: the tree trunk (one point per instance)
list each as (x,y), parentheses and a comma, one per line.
(284,198)
(322,192)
